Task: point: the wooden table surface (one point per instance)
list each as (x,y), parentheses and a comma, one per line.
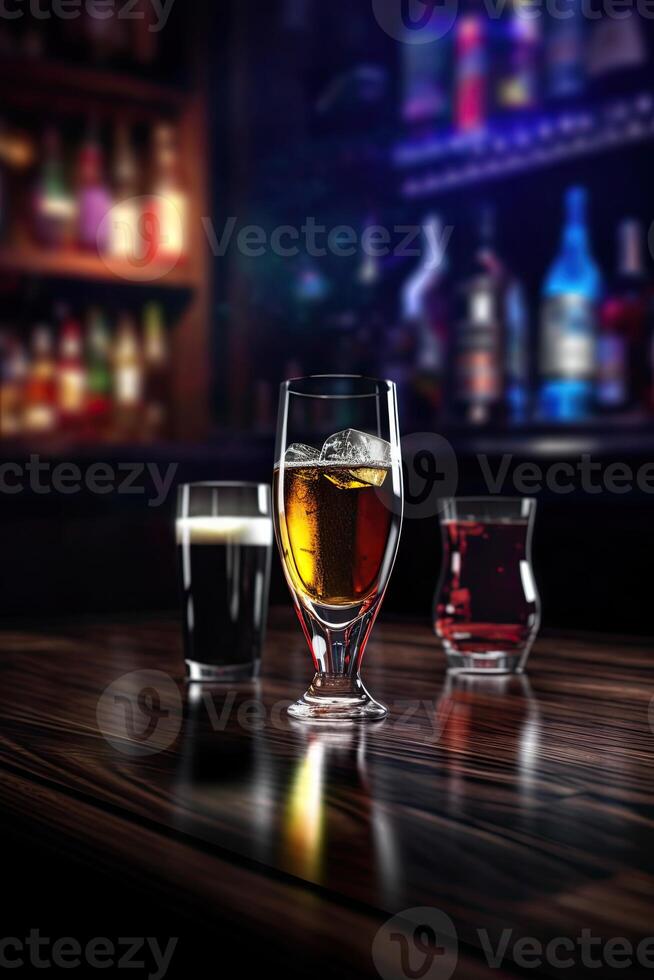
(521,803)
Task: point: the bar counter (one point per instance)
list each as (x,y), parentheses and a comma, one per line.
(503,803)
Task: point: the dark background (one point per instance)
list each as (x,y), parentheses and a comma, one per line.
(284,130)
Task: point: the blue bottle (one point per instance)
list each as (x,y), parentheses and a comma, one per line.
(569,322)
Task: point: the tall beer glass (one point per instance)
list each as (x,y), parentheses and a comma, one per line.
(337,506)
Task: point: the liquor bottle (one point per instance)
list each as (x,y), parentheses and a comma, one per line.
(4,184)
(479,395)
(105,37)
(425,313)
(564,52)
(169,205)
(13,374)
(398,360)
(426,72)
(471,69)
(53,206)
(99,387)
(128,379)
(156,365)
(125,232)
(71,376)
(41,387)
(94,196)
(616,46)
(144,41)
(569,321)
(517,87)
(622,370)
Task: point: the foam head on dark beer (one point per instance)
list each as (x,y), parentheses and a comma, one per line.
(252,531)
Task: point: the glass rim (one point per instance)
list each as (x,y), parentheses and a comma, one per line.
(224,484)
(488,499)
(287,387)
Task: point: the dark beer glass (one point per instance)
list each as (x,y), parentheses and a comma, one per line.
(224,545)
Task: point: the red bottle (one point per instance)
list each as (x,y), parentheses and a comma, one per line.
(471,72)
(622,369)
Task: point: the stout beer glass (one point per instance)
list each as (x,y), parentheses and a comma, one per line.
(224,547)
(337,505)
(487,610)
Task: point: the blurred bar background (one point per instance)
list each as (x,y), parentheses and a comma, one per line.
(501,176)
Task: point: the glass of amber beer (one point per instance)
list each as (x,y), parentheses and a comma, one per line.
(337,504)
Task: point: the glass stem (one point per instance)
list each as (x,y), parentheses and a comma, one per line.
(337,652)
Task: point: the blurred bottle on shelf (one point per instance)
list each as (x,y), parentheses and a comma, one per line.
(622,370)
(124,232)
(128,380)
(33,45)
(53,206)
(478,348)
(144,34)
(569,321)
(519,49)
(168,211)
(157,372)
(398,360)
(4,186)
(41,387)
(564,51)
(94,196)
(471,69)
(424,308)
(71,376)
(517,346)
(426,71)
(616,45)
(99,384)
(104,37)
(369,270)
(13,374)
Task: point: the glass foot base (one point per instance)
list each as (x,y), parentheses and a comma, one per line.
(492,662)
(220,673)
(332,697)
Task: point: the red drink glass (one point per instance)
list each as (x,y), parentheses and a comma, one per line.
(487,610)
